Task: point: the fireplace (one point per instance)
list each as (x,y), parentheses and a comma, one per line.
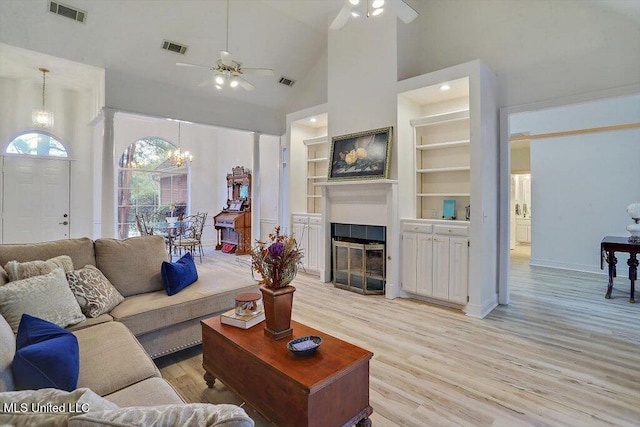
(358,261)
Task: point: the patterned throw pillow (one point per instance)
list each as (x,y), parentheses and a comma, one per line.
(47,297)
(23,270)
(95,294)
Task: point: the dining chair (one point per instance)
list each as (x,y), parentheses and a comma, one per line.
(188,235)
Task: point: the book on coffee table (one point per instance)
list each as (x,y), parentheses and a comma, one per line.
(244,322)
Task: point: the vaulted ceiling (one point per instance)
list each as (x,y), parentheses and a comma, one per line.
(125,36)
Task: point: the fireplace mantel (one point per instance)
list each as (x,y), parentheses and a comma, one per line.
(365,202)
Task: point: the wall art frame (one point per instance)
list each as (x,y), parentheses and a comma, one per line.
(361,155)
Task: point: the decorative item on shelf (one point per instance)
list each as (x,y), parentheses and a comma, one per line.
(277,263)
(42,118)
(248,304)
(179,158)
(448,209)
(304,346)
(467,212)
(634,229)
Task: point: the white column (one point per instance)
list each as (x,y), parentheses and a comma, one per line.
(109,196)
(255,189)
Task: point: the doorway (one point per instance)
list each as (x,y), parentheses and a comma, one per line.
(35,199)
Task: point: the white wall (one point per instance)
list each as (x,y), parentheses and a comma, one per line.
(72,110)
(538,49)
(269,188)
(581,184)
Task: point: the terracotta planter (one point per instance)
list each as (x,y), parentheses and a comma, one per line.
(277,310)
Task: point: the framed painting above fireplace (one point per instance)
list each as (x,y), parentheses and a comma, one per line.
(362,155)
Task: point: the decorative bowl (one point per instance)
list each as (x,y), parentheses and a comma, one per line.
(304,346)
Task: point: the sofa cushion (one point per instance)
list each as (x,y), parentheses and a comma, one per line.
(132,265)
(7,351)
(47,296)
(192,414)
(150,392)
(212,293)
(23,270)
(46,356)
(111,358)
(178,275)
(80,250)
(4,277)
(90,322)
(81,399)
(95,294)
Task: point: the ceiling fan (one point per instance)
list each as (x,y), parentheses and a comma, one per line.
(357,8)
(228,71)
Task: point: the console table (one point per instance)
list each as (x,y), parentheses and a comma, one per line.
(328,388)
(608,247)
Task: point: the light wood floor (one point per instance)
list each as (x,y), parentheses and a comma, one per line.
(559,354)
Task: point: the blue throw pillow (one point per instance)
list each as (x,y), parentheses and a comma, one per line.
(47,356)
(178,275)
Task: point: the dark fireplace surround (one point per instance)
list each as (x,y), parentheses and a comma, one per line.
(358,257)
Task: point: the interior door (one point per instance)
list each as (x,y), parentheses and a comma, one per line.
(35,199)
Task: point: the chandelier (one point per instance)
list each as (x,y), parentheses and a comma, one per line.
(42,118)
(179,158)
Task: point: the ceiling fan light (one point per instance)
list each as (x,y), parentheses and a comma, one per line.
(377,4)
(355,14)
(354,2)
(234,82)
(377,11)
(218,87)
(219,80)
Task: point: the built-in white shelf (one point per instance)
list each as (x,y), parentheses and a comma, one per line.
(317,177)
(317,140)
(443,145)
(360,182)
(318,159)
(440,118)
(443,194)
(313,196)
(449,169)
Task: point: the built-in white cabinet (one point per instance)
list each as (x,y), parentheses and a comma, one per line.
(435,260)
(523,230)
(317,165)
(306,229)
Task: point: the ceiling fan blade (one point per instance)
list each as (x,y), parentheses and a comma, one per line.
(405,12)
(225,58)
(342,18)
(245,84)
(184,64)
(206,82)
(258,71)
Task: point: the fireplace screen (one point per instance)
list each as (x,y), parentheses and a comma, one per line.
(359,267)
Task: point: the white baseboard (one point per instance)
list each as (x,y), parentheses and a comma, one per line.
(621,267)
(480,311)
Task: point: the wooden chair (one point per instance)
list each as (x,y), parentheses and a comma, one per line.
(142,226)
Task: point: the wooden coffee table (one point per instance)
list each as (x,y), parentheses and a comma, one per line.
(328,388)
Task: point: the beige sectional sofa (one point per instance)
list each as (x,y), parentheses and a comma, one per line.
(116,348)
(162,324)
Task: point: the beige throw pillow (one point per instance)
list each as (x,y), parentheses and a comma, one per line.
(23,270)
(190,414)
(12,406)
(47,297)
(95,294)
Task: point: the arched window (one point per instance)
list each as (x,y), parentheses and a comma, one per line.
(36,144)
(149,184)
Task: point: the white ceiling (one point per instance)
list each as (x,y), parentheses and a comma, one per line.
(126,36)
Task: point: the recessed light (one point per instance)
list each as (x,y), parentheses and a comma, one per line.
(354,2)
(355,14)
(445,87)
(218,87)
(313,120)
(377,12)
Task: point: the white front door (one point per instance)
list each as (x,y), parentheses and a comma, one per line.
(35,199)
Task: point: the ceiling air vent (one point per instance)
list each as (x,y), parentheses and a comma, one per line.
(174,47)
(286,81)
(67,11)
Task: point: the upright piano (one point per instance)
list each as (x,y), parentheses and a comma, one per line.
(234,228)
(233,223)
